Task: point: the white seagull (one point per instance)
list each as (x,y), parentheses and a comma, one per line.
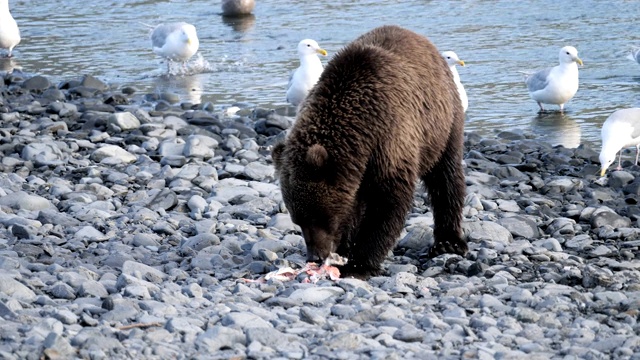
(634,55)
(175,42)
(453,60)
(9,32)
(558,84)
(307,75)
(620,130)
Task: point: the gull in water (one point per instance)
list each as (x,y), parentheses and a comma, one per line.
(635,55)
(237,7)
(620,130)
(558,84)
(9,32)
(453,60)
(175,42)
(305,76)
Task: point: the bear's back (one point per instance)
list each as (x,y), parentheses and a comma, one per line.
(388,88)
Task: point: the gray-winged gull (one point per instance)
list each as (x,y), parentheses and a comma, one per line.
(620,130)
(558,84)
(175,42)
(453,60)
(305,76)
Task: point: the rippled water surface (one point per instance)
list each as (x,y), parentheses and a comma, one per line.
(250,59)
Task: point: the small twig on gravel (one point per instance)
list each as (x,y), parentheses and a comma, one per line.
(139,325)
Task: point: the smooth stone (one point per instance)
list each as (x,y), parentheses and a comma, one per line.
(92,288)
(124,121)
(43,153)
(244,320)
(258,171)
(486,230)
(418,237)
(520,226)
(165,200)
(57,347)
(113,151)
(201,241)
(23,201)
(610,218)
(316,295)
(37,83)
(283,223)
(218,337)
(15,289)
(200,146)
(92,82)
(142,271)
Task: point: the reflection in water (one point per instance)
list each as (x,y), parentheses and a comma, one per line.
(190,86)
(240,24)
(8,64)
(557,128)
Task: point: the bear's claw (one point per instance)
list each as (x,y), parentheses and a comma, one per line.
(447,247)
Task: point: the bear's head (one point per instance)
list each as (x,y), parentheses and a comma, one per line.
(315,196)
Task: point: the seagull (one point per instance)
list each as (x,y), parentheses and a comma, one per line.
(620,130)
(9,32)
(453,60)
(175,42)
(237,7)
(558,84)
(306,76)
(634,55)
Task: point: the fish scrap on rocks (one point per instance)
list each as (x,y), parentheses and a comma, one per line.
(129,223)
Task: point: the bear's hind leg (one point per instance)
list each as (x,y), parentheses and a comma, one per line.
(446,187)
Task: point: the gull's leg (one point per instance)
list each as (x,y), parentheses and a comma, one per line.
(637,153)
(561,107)
(619,161)
(541,108)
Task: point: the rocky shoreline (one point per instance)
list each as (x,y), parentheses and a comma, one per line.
(132,226)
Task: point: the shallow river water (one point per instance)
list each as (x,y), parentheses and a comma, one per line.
(249,60)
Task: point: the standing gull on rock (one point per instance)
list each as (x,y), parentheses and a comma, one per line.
(453,60)
(620,130)
(175,42)
(9,32)
(306,76)
(237,7)
(558,84)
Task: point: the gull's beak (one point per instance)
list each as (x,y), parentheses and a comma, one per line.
(189,40)
(579,61)
(460,62)
(322,52)
(602,171)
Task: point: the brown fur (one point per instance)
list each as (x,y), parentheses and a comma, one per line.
(384,113)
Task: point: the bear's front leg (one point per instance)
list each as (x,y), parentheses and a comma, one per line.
(386,204)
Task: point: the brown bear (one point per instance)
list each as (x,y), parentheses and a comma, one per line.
(384,113)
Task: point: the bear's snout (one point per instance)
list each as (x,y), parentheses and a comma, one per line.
(319,244)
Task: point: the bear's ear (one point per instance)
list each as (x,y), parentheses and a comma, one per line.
(317,156)
(276,154)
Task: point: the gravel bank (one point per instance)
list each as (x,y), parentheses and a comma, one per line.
(130,223)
